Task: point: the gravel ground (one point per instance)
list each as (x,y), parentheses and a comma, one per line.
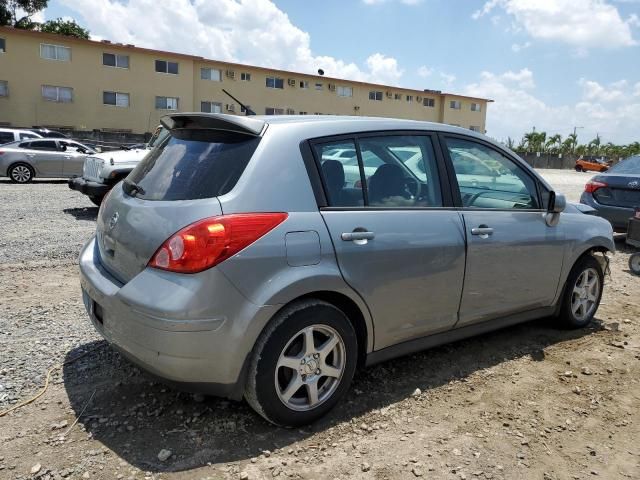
(526,402)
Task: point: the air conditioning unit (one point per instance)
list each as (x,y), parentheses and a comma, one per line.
(291,82)
(231,74)
(332,87)
(356,108)
(419,99)
(230,107)
(389,95)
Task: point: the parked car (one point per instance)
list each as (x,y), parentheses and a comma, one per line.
(616,193)
(592,163)
(46,133)
(235,260)
(42,157)
(101,171)
(9,135)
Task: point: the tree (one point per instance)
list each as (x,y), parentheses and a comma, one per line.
(65,27)
(594,145)
(18,13)
(554,143)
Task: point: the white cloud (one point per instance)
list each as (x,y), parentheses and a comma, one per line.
(519,47)
(424,71)
(636,90)
(517,109)
(247,31)
(582,24)
(447,78)
(378,2)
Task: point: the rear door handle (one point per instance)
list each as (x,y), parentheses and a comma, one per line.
(355,236)
(482,231)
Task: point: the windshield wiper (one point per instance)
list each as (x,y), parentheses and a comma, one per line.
(133,188)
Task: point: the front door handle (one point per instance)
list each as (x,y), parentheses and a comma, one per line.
(483,231)
(357,236)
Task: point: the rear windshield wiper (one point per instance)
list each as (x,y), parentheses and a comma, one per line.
(132,188)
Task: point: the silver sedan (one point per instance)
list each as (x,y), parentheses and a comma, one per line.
(24,160)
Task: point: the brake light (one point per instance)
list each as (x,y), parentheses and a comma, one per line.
(594,185)
(208,242)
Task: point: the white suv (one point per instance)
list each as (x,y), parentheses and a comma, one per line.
(8,135)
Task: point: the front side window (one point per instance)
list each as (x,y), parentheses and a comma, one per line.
(212,74)
(114,60)
(489,179)
(46,145)
(4,88)
(375,96)
(455,104)
(118,99)
(55,52)
(274,82)
(163,66)
(166,103)
(345,91)
(24,136)
(53,93)
(211,107)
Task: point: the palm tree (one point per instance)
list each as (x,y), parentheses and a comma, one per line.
(553,143)
(594,145)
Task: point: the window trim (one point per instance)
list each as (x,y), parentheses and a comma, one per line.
(453,180)
(128,94)
(56,46)
(57,87)
(116,55)
(165,108)
(6,83)
(220,74)
(274,79)
(167,62)
(448,200)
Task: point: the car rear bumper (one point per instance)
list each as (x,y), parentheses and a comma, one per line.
(183,344)
(617,216)
(92,189)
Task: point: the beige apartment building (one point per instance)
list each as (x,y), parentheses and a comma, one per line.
(68,83)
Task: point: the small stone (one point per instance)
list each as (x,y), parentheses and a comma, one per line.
(577,390)
(617,344)
(416,393)
(568,373)
(586,371)
(35,469)
(417,472)
(85,475)
(244,476)
(456,452)
(164,455)
(365,467)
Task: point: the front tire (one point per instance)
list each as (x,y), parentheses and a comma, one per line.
(579,168)
(20,173)
(634,263)
(583,292)
(303,363)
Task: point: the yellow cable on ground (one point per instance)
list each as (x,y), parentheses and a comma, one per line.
(46,382)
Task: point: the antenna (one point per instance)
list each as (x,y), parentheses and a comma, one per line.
(247,110)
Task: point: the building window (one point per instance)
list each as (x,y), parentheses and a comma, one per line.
(211,74)
(246,77)
(273,111)
(291,111)
(455,104)
(166,103)
(397,96)
(55,52)
(162,66)
(476,107)
(115,98)
(211,107)
(52,93)
(274,82)
(302,113)
(4,88)
(3,45)
(245,108)
(319,86)
(474,128)
(113,60)
(304,84)
(345,91)
(429,102)
(410,98)
(375,96)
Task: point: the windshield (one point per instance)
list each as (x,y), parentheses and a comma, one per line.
(630,165)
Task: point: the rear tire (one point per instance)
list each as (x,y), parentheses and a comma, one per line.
(583,292)
(634,263)
(579,168)
(97,201)
(303,363)
(20,173)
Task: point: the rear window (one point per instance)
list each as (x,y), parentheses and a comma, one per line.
(192,164)
(630,165)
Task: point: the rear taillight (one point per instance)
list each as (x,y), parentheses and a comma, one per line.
(594,185)
(208,242)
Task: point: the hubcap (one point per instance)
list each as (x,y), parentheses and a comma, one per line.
(585,294)
(310,367)
(21,174)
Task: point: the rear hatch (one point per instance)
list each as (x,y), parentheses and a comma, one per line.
(175,185)
(621,191)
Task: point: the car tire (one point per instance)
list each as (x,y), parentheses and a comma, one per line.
(20,173)
(97,201)
(579,168)
(287,380)
(582,294)
(634,263)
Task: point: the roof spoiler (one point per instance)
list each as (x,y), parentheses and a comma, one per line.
(215,121)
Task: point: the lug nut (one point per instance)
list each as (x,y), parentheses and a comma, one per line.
(318,372)
(316,355)
(302,362)
(304,378)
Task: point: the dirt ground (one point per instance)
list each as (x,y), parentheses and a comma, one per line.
(528,402)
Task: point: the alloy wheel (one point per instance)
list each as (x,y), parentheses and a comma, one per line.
(21,174)
(585,294)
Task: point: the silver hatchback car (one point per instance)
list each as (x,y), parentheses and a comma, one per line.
(238,260)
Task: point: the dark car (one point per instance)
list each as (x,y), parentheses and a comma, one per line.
(46,133)
(615,193)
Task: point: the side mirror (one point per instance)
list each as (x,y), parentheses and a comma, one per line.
(557,203)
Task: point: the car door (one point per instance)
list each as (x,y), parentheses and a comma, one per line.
(398,242)
(73,159)
(45,157)
(514,258)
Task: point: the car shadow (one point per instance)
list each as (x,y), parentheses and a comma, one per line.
(136,416)
(82,213)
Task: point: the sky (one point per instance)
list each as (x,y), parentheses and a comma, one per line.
(549,64)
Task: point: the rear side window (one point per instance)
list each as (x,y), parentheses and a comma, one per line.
(48,145)
(6,137)
(193,164)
